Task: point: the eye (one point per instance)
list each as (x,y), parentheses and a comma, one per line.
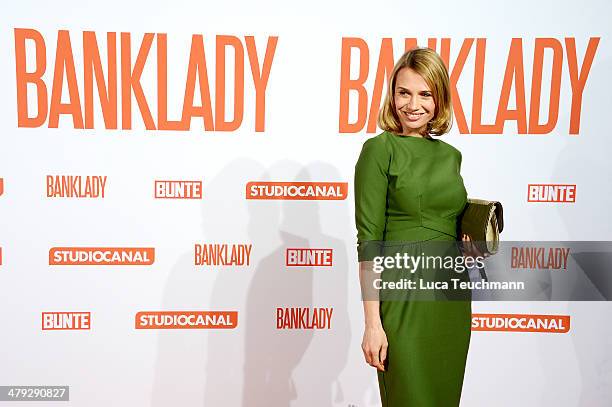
(426,94)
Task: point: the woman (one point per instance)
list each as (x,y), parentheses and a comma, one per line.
(408,189)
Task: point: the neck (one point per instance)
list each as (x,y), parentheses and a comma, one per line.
(415,133)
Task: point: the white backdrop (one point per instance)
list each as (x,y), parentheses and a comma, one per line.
(112,363)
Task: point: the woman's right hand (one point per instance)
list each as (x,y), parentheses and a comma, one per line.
(374,346)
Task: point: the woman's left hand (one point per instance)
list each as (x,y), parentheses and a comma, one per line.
(469,248)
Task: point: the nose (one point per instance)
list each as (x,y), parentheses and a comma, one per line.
(413,103)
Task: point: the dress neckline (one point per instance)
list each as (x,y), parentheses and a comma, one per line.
(411,137)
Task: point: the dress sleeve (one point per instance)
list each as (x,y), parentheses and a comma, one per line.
(371,184)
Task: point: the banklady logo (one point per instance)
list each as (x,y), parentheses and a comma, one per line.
(326,191)
(35,52)
(178,189)
(365,67)
(101,256)
(66,321)
(187,320)
(521,323)
(562,193)
(540,258)
(76,186)
(222,254)
(309,257)
(304,318)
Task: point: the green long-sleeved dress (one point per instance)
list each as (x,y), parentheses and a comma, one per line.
(408,190)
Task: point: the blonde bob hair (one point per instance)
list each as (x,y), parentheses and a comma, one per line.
(430,66)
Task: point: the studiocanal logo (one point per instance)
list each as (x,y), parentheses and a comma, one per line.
(186,320)
(521,323)
(66,321)
(297,190)
(101,256)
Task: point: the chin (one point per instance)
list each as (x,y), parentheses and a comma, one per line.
(415,125)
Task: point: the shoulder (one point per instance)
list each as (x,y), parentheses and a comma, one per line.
(452,149)
(377,145)
(375,153)
(379,141)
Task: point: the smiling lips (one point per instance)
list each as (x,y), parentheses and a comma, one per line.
(413,117)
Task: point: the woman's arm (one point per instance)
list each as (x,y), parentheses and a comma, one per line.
(374,343)
(371,185)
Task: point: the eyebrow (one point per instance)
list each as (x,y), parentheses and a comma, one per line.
(403,88)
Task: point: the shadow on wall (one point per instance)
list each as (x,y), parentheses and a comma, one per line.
(584,161)
(257,364)
(182,370)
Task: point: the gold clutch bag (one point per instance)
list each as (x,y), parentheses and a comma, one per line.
(483,221)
